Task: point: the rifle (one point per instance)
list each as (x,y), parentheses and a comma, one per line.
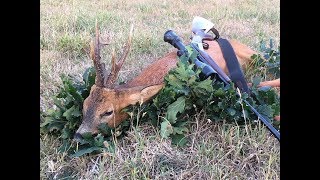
(209,69)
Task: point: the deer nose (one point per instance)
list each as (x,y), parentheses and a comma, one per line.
(77,137)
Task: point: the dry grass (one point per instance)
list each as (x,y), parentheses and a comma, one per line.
(215,151)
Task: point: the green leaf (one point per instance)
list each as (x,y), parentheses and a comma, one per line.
(166,129)
(68,113)
(51,112)
(181,123)
(164,98)
(65,133)
(221,105)
(266,110)
(55,126)
(183,59)
(89,77)
(174,81)
(276,108)
(231,111)
(98,140)
(179,140)
(192,80)
(256,81)
(71,113)
(174,108)
(219,93)
(192,54)
(105,129)
(179,130)
(59,103)
(205,84)
(255,56)
(85,151)
(182,72)
(87,136)
(74,93)
(47,120)
(203,88)
(262,46)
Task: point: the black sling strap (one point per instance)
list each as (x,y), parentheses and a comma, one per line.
(236,74)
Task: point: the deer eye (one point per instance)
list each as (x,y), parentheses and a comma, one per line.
(107,113)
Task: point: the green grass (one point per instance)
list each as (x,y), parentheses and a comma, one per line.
(214,151)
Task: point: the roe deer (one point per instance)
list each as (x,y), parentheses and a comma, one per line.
(106,99)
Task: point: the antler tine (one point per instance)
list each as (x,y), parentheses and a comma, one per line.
(95,56)
(110,82)
(127,48)
(113,61)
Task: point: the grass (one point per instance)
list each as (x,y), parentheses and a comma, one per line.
(214,151)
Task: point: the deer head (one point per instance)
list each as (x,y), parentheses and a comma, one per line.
(106,99)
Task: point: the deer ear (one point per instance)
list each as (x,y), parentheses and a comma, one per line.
(149,92)
(144,94)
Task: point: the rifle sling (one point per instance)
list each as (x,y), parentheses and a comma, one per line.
(236,74)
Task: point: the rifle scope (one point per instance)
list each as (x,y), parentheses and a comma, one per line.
(173,39)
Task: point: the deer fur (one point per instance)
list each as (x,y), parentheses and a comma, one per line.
(106,100)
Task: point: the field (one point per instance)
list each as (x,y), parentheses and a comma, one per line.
(214,151)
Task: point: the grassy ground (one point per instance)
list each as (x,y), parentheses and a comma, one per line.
(215,151)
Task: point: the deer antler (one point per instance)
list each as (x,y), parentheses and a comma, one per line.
(95,56)
(110,82)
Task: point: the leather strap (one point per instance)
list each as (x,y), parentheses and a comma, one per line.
(236,74)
